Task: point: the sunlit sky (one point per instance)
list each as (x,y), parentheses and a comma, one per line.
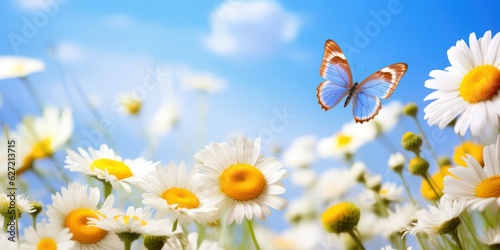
(267,53)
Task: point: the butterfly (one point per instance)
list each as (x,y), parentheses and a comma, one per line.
(365,95)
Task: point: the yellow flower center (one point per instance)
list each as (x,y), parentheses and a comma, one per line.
(341,217)
(480,84)
(343,140)
(113,167)
(126,219)
(77,223)
(133,106)
(46,244)
(19,69)
(490,187)
(470,148)
(40,150)
(182,197)
(242,182)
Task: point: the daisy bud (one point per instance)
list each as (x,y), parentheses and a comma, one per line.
(154,242)
(418,166)
(358,171)
(449,226)
(444,161)
(374,182)
(410,109)
(340,218)
(396,162)
(411,142)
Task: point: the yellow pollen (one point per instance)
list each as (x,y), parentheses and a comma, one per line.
(242,182)
(116,168)
(480,84)
(46,244)
(77,223)
(126,219)
(343,140)
(182,197)
(490,187)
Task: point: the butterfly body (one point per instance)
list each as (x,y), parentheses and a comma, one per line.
(365,95)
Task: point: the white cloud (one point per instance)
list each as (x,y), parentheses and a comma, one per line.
(250,29)
(70,52)
(119,21)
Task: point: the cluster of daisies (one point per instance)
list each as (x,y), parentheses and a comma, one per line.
(232,183)
(122,203)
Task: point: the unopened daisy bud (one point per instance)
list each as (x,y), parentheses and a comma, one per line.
(443,161)
(152,242)
(411,142)
(358,171)
(410,109)
(449,226)
(340,218)
(37,206)
(396,162)
(418,166)
(373,182)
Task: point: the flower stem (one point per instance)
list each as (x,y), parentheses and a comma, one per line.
(128,238)
(356,239)
(252,233)
(428,180)
(425,139)
(32,92)
(455,237)
(405,185)
(108,188)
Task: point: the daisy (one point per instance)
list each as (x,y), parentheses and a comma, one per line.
(247,182)
(170,190)
(441,219)
(300,210)
(104,164)
(334,183)
(478,186)
(14,66)
(345,142)
(201,81)
(72,209)
(388,117)
(22,204)
(303,177)
(491,237)
(180,241)
(300,153)
(129,104)
(164,119)
(469,88)
(399,219)
(46,236)
(44,135)
(396,162)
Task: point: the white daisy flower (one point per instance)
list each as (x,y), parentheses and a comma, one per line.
(351,137)
(301,152)
(399,219)
(441,219)
(299,210)
(170,190)
(334,183)
(72,209)
(390,191)
(491,237)
(14,66)
(46,236)
(247,182)
(128,104)
(201,81)
(469,88)
(45,135)
(104,164)
(303,177)
(22,203)
(478,186)
(164,119)
(134,220)
(396,161)
(388,117)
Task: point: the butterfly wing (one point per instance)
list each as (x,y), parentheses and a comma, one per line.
(335,70)
(380,84)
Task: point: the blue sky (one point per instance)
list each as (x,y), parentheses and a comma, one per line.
(273,63)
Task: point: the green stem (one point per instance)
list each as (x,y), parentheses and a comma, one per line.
(33,220)
(32,92)
(455,237)
(425,139)
(128,238)
(174,226)
(428,180)
(201,234)
(407,189)
(108,189)
(356,239)
(252,233)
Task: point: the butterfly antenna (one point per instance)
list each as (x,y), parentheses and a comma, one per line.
(361,76)
(355,80)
